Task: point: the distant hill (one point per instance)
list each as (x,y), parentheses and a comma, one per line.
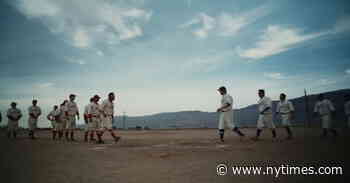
(246,116)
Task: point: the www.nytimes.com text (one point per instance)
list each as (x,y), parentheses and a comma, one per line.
(276,171)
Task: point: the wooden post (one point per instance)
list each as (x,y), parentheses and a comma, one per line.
(307,111)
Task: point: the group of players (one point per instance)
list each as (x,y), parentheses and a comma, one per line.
(285,109)
(99,117)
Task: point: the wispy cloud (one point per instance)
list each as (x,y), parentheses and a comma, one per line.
(44,85)
(276,39)
(87,22)
(75,61)
(347,71)
(225,24)
(275,75)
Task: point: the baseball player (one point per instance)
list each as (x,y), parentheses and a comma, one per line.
(63,119)
(265,115)
(73,113)
(107,109)
(286,110)
(34,112)
(94,117)
(14,115)
(87,123)
(347,108)
(53,116)
(226,114)
(326,110)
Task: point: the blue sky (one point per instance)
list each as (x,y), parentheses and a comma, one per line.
(163,56)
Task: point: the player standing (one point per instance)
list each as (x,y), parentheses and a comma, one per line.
(73,114)
(34,113)
(14,115)
(53,116)
(107,108)
(226,114)
(325,109)
(285,108)
(265,115)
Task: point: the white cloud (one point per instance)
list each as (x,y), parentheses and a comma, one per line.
(325,82)
(207,22)
(276,39)
(45,85)
(88,22)
(274,75)
(225,24)
(342,25)
(75,61)
(347,71)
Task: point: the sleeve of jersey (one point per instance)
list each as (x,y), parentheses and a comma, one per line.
(291,107)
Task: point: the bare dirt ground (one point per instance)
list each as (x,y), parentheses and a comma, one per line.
(166,156)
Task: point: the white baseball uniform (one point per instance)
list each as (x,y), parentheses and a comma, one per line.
(325,108)
(13,123)
(63,117)
(266,118)
(32,122)
(72,113)
(284,108)
(226,116)
(347,111)
(95,112)
(55,123)
(107,108)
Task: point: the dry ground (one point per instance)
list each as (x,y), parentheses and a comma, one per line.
(164,156)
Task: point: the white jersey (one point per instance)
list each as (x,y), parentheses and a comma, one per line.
(264,103)
(107,107)
(227,99)
(54,114)
(14,113)
(94,110)
(347,108)
(34,110)
(324,107)
(86,109)
(285,107)
(72,108)
(63,109)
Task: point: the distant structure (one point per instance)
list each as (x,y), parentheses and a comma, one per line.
(307,110)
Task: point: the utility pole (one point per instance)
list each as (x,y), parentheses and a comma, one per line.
(307,111)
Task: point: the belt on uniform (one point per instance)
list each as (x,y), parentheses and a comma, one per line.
(284,113)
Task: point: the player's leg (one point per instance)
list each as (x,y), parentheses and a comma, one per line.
(268,119)
(72,126)
(108,124)
(260,125)
(221,126)
(54,130)
(286,124)
(325,125)
(231,124)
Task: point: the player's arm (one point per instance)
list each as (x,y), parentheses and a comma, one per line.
(223,107)
(49,117)
(292,110)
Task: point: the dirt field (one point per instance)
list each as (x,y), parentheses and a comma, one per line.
(166,156)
